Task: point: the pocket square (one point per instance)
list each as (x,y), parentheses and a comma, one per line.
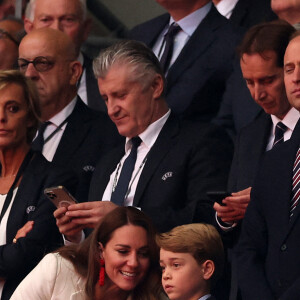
(167,175)
(30,209)
(89,168)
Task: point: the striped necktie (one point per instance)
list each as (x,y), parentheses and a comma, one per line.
(280,129)
(296,184)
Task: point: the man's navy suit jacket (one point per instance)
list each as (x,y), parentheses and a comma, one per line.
(185,161)
(196,80)
(249,149)
(88,136)
(30,204)
(248,13)
(268,250)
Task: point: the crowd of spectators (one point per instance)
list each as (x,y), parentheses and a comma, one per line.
(175,153)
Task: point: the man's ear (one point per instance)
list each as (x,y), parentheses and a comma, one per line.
(158,86)
(76,71)
(28,25)
(208,268)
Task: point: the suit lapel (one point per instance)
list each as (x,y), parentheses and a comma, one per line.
(94,99)
(285,173)
(106,166)
(75,132)
(154,30)
(201,39)
(239,11)
(159,150)
(261,139)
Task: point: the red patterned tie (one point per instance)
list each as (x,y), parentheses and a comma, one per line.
(296,183)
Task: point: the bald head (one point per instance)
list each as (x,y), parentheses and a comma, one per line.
(48,57)
(48,39)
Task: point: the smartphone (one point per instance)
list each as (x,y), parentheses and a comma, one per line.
(59,196)
(218,196)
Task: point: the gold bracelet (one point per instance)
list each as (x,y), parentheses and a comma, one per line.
(14,240)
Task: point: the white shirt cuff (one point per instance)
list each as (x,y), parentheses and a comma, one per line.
(67,243)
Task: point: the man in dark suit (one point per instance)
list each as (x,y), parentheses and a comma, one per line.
(75,136)
(69,17)
(261,59)
(202,58)
(268,250)
(245,13)
(236,109)
(176,162)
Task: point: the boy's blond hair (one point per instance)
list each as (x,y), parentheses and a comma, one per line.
(202,241)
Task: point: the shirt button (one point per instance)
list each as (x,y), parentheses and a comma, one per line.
(283,247)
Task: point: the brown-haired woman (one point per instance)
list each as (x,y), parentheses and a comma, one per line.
(119,260)
(23,177)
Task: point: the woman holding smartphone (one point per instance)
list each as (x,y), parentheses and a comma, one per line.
(24,175)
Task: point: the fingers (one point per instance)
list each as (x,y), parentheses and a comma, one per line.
(22,232)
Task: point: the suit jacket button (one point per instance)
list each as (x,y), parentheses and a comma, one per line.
(283,247)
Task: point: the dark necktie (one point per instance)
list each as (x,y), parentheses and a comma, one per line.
(118,196)
(38,142)
(296,183)
(169,42)
(280,129)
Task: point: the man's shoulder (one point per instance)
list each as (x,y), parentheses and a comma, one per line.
(139,30)
(260,123)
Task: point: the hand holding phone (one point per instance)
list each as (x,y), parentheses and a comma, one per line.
(59,196)
(218,196)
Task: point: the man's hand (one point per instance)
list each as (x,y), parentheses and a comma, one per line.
(73,219)
(89,214)
(71,231)
(235,206)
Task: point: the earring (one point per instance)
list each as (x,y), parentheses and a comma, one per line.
(101,272)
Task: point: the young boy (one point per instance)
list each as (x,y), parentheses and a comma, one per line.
(191,258)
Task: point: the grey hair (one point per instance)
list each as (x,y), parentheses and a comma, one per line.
(143,61)
(29,12)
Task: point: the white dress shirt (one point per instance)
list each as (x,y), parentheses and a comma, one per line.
(50,147)
(290,120)
(225,7)
(205,297)
(82,90)
(188,25)
(148,138)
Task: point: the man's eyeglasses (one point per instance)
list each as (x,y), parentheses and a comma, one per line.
(40,63)
(5,35)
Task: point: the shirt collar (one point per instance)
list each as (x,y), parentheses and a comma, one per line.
(190,23)
(225,7)
(205,297)
(80,58)
(64,113)
(151,133)
(289,120)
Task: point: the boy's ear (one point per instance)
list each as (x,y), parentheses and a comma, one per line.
(208,268)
